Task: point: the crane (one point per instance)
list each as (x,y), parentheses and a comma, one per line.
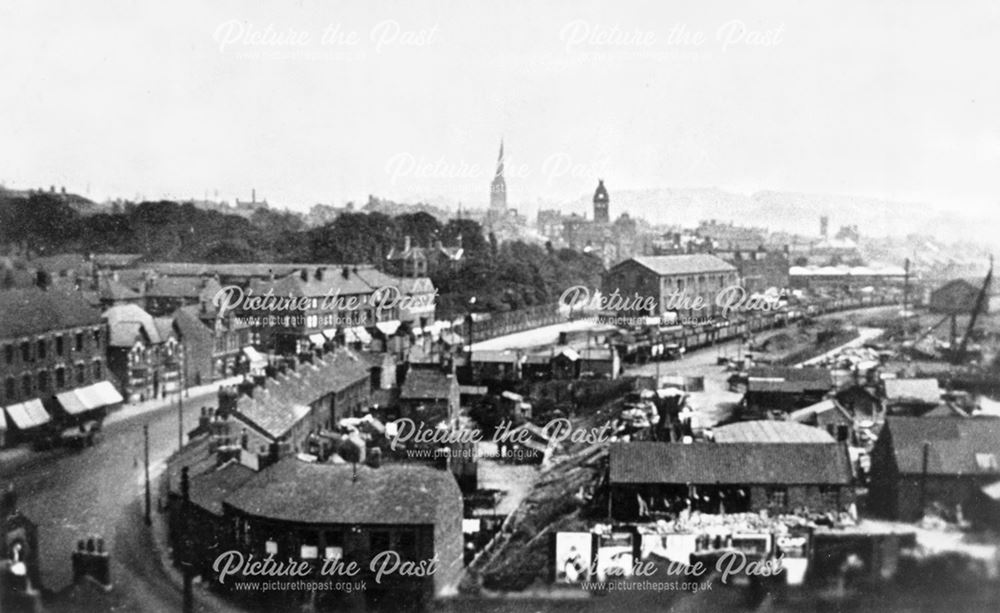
(980,299)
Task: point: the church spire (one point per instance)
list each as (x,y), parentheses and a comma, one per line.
(498,188)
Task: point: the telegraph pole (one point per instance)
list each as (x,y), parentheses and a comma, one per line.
(145,436)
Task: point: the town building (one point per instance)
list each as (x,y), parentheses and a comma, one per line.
(144,354)
(920,462)
(429,395)
(414,261)
(164,295)
(352,304)
(611,242)
(784,389)
(51,342)
(958,297)
(288,409)
(688,285)
(318,512)
(656,477)
(759,269)
(846,279)
(911,396)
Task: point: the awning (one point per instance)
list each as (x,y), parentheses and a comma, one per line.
(80,400)
(388,327)
(27,415)
(363,337)
(71,403)
(3,421)
(256,359)
(317,339)
(107,392)
(330,333)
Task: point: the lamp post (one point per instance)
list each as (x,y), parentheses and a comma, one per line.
(468,320)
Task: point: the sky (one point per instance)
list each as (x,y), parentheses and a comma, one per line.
(329,102)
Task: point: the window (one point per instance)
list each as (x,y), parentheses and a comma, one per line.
(407,546)
(60,345)
(81,374)
(10,389)
(97,369)
(25,351)
(8,352)
(777,496)
(379,541)
(830,496)
(79,341)
(43,346)
(60,377)
(43,381)
(26,386)
(97,337)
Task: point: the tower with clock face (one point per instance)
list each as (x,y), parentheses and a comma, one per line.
(601,203)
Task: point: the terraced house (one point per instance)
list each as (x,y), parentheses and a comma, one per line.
(52,345)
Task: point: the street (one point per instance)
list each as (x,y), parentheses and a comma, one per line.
(70,495)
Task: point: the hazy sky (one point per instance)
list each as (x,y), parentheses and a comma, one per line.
(897,100)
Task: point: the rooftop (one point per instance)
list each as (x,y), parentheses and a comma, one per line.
(393,494)
(35,311)
(955,446)
(730,463)
(284,401)
(925,391)
(770,431)
(684,264)
(427,384)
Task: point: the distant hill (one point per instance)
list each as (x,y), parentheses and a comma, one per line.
(797,212)
(78,203)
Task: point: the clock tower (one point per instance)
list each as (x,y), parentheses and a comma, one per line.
(601,202)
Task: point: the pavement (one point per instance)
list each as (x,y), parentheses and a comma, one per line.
(72,494)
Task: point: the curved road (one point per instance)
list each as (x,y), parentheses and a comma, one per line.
(99,490)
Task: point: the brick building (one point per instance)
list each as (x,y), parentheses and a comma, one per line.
(51,342)
(143,353)
(650,477)
(673,282)
(922,461)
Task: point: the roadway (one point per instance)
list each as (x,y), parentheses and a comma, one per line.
(99,490)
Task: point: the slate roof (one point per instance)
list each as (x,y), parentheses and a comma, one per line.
(730,463)
(770,431)
(190,324)
(790,373)
(814,410)
(126,322)
(957,446)
(115,260)
(109,289)
(333,281)
(285,400)
(688,264)
(427,384)
(393,494)
(34,311)
(183,287)
(210,488)
(790,380)
(925,391)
